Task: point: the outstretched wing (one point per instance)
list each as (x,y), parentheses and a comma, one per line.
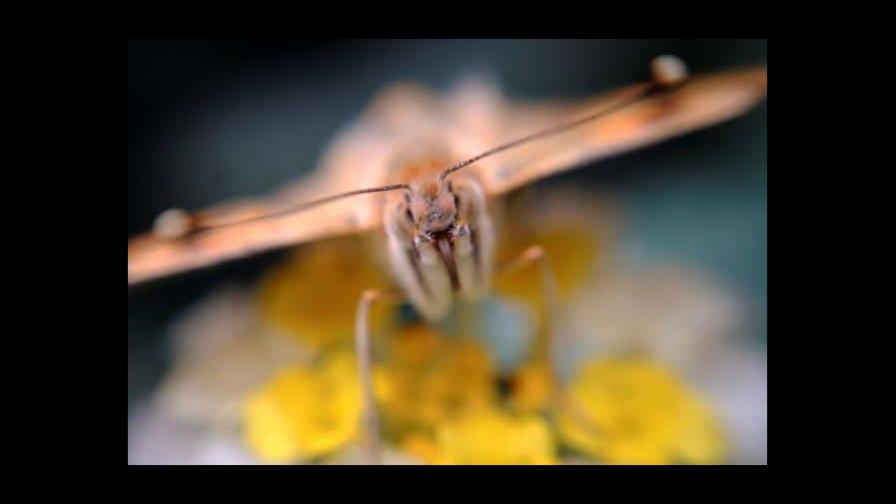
(358,158)
(349,164)
(150,256)
(699,102)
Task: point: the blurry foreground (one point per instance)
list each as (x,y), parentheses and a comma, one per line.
(653,357)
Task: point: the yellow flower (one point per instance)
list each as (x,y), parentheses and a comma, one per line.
(305,412)
(421,446)
(493,436)
(627,411)
(427,378)
(530,387)
(314,294)
(414,345)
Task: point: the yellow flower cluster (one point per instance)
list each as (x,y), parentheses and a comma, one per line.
(439,402)
(305,412)
(531,386)
(428,378)
(314,294)
(439,397)
(493,436)
(639,413)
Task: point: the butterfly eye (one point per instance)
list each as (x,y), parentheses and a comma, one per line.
(408,214)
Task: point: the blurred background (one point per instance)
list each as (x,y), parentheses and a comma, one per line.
(213,120)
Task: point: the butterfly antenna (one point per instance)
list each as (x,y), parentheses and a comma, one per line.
(176,223)
(666,72)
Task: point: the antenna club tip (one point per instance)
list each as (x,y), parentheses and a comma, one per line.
(173,224)
(668,70)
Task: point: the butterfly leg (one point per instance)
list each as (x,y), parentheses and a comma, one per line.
(551,342)
(547,345)
(370,429)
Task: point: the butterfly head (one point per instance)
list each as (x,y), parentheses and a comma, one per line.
(432,215)
(432,207)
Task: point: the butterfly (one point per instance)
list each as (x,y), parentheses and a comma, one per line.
(396,170)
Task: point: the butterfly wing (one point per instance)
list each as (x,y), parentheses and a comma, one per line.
(351,163)
(150,257)
(700,102)
(359,157)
